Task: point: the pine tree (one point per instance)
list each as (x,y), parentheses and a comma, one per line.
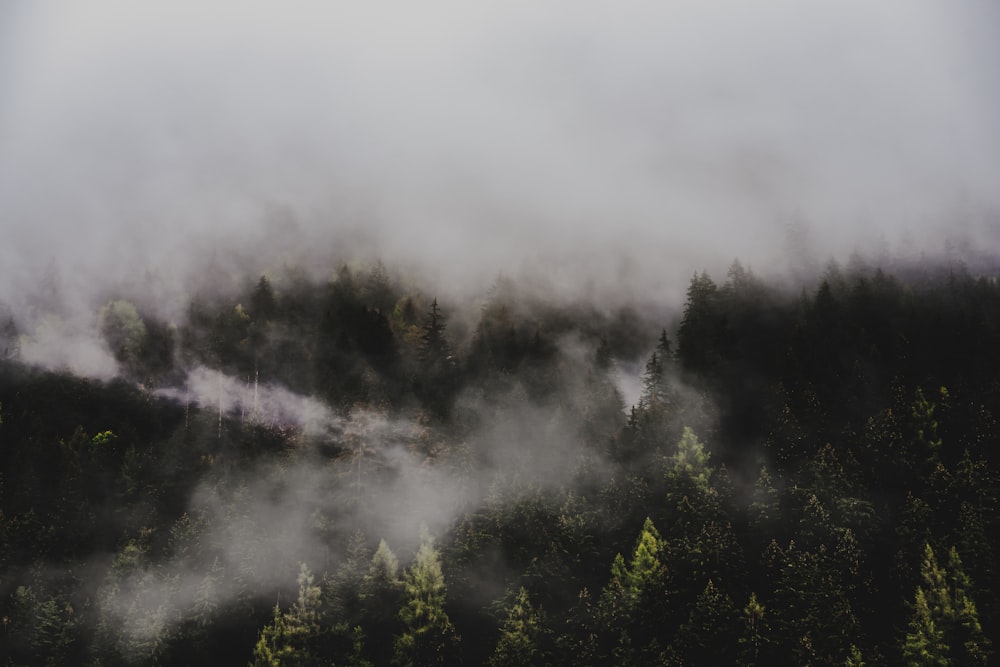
(428,637)
(292,637)
(263,305)
(578,641)
(272,648)
(814,622)
(764,508)
(753,642)
(357,657)
(647,571)
(691,459)
(53,638)
(434,347)
(701,327)
(709,637)
(435,382)
(925,643)
(653,390)
(520,635)
(343,590)
(944,628)
(927,441)
(633,605)
(970,644)
(381,596)
(378,288)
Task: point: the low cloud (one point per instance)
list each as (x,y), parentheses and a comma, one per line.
(572,139)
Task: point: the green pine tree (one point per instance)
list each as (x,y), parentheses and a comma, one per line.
(520,635)
(754,639)
(633,604)
(944,627)
(292,636)
(710,635)
(428,636)
(691,459)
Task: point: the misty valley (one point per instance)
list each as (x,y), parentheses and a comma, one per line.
(350,472)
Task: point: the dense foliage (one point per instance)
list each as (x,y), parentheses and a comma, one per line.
(353,473)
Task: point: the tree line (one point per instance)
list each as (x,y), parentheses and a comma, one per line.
(803,477)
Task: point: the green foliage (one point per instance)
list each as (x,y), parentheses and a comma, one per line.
(384,566)
(103,439)
(691,459)
(147,542)
(925,425)
(711,632)
(765,511)
(520,635)
(755,637)
(428,636)
(925,639)
(633,605)
(357,656)
(944,627)
(854,658)
(292,637)
(814,621)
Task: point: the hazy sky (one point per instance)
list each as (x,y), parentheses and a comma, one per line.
(637,140)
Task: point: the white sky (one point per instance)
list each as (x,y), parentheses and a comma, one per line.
(623,143)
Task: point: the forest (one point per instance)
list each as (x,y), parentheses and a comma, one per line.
(352,471)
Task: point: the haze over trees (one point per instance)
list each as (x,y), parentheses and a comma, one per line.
(354,472)
(332,335)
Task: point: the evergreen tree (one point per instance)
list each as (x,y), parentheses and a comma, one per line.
(925,641)
(753,642)
(578,643)
(944,627)
(428,636)
(273,648)
(263,305)
(434,347)
(343,591)
(764,507)
(292,637)
(381,598)
(701,328)
(54,633)
(436,380)
(634,603)
(519,644)
(652,382)
(655,379)
(971,645)
(378,288)
(710,634)
(814,622)
(691,460)
(357,656)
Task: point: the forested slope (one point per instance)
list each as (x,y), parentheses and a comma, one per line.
(353,473)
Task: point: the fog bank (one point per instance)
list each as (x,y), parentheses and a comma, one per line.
(608,149)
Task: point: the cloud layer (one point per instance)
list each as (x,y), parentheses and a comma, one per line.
(641,141)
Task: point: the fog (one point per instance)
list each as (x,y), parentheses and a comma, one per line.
(642,142)
(602,151)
